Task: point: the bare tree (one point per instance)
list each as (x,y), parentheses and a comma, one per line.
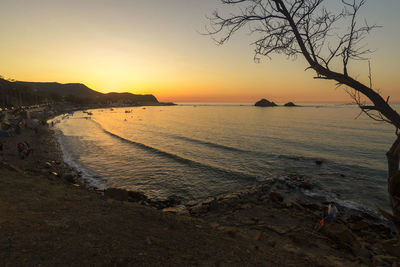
(328,40)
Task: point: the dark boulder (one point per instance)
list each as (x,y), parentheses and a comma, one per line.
(338,233)
(306,185)
(171,201)
(174,200)
(275,197)
(117,194)
(137,197)
(265,103)
(70,177)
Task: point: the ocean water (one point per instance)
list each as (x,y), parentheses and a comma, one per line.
(196,151)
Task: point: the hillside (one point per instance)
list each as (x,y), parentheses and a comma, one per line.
(128,97)
(12,94)
(19,93)
(76,89)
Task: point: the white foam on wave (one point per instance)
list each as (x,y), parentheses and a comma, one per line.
(86,175)
(328,196)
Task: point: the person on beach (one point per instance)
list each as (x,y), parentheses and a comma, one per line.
(330,217)
(332,212)
(24,150)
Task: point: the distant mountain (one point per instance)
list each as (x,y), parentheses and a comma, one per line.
(17,93)
(128,97)
(63,90)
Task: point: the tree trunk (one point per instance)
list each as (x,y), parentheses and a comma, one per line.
(393,158)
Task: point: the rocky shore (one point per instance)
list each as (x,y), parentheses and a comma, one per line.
(46,210)
(276,213)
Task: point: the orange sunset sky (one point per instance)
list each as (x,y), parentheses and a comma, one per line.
(155,46)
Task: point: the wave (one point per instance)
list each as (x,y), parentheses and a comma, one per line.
(189,162)
(206,143)
(86,175)
(198,141)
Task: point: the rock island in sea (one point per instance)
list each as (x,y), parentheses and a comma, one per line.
(265,103)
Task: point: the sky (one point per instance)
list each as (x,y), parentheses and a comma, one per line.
(156,46)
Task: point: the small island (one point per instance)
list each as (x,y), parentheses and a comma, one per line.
(265,103)
(290,104)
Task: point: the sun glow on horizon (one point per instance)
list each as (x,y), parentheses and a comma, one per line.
(155,48)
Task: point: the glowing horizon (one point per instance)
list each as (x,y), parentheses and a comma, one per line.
(145,47)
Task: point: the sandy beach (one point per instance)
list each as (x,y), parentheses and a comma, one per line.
(49,218)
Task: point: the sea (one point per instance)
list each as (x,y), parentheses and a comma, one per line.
(199,150)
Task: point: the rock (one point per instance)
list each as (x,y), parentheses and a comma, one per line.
(174,200)
(69,177)
(360,252)
(191,203)
(290,104)
(359,226)
(208,200)
(271,242)
(231,196)
(392,249)
(198,210)
(368,216)
(312,206)
(297,206)
(246,206)
(171,201)
(265,103)
(355,218)
(179,210)
(230,231)
(257,236)
(275,197)
(338,233)
(381,229)
(383,260)
(117,194)
(306,185)
(135,196)
(214,205)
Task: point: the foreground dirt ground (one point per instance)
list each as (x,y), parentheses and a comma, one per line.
(50,223)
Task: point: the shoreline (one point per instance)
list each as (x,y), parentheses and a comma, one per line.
(274,214)
(320,195)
